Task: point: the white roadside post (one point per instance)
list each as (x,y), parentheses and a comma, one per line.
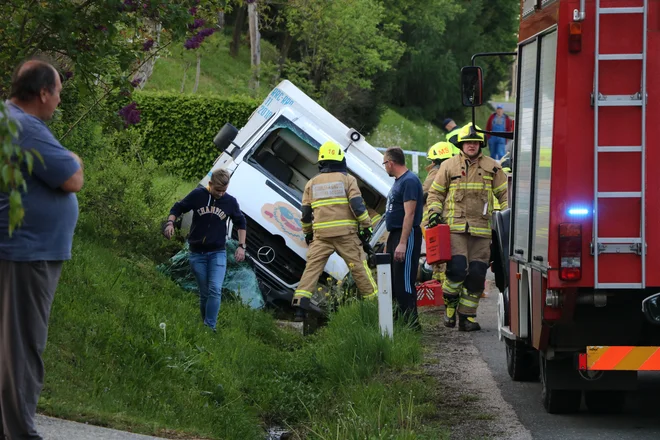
(385,313)
(415,163)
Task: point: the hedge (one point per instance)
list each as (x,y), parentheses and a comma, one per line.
(184,127)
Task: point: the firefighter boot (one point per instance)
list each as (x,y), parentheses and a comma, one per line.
(301,305)
(451,304)
(450,316)
(467,323)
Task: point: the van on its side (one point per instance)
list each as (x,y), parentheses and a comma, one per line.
(270,160)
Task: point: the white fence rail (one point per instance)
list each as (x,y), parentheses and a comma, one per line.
(415,157)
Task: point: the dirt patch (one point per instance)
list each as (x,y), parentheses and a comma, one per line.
(470,401)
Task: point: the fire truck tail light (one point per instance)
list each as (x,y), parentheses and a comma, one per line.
(570,251)
(575,37)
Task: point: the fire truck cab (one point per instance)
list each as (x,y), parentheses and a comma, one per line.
(576,255)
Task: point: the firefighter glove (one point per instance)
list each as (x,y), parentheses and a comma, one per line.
(435,219)
(309,237)
(365,235)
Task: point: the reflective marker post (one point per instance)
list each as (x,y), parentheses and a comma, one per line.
(385,314)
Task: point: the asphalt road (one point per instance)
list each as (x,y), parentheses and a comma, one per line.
(508,107)
(640,420)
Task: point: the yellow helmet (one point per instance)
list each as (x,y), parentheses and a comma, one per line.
(468,133)
(331,151)
(441,150)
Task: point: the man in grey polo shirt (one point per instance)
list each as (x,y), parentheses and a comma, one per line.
(31,258)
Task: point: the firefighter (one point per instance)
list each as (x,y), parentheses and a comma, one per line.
(452,134)
(462,196)
(437,154)
(332,210)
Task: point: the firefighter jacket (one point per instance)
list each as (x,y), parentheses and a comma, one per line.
(430,177)
(464,193)
(332,205)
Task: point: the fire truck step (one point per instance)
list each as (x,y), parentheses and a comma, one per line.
(619,240)
(620,103)
(619,285)
(613,149)
(619,56)
(619,195)
(637,10)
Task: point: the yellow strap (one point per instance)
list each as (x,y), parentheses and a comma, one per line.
(500,188)
(363,217)
(328,202)
(468,303)
(438,187)
(325,225)
(371,278)
(304,293)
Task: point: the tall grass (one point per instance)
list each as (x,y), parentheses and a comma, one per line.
(127,350)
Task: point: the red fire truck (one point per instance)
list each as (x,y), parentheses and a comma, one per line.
(577,255)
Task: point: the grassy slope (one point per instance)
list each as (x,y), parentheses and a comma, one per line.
(109,362)
(220,72)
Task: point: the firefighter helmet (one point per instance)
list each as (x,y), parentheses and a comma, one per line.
(441,150)
(468,133)
(331,151)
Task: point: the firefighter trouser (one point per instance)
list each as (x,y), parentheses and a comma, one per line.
(439,270)
(404,274)
(466,272)
(349,247)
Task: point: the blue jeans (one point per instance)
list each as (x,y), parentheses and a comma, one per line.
(209,269)
(497,147)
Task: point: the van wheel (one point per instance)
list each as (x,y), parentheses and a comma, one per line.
(521,364)
(605,402)
(557,401)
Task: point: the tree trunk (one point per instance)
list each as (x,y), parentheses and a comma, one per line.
(284,48)
(199,69)
(221,19)
(238,28)
(255,42)
(185,73)
(147,69)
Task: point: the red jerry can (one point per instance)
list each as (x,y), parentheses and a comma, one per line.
(438,244)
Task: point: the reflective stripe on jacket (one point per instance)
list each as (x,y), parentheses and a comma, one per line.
(430,177)
(332,206)
(465,192)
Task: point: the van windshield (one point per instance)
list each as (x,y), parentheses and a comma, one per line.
(288,155)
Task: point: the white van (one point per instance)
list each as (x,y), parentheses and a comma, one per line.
(271,159)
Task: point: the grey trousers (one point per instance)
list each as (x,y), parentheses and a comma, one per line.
(26,294)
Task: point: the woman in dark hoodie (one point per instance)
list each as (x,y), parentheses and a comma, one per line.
(211,207)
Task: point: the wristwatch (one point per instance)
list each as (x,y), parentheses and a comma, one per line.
(243,245)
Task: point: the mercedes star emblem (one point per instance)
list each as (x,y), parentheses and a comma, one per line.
(266,254)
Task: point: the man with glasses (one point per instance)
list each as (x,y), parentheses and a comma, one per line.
(403,216)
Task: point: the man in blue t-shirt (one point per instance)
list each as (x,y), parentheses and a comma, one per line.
(31,258)
(403,216)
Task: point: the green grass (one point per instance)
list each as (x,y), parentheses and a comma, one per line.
(108,362)
(220,72)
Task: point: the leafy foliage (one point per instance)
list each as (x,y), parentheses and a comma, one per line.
(341,47)
(184,127)
(14,161)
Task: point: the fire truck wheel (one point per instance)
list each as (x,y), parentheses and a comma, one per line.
(605,402)
(521,363)
(557,401)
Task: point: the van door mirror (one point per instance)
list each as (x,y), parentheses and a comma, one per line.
(472,86)
(225,137)
(651,309)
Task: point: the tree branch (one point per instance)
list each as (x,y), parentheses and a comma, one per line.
(105,95)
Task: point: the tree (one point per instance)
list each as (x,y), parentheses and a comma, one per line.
(441,36)
(103,43)
(340,46)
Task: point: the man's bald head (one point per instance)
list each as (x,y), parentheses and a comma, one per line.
(36,86)
(30,77)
